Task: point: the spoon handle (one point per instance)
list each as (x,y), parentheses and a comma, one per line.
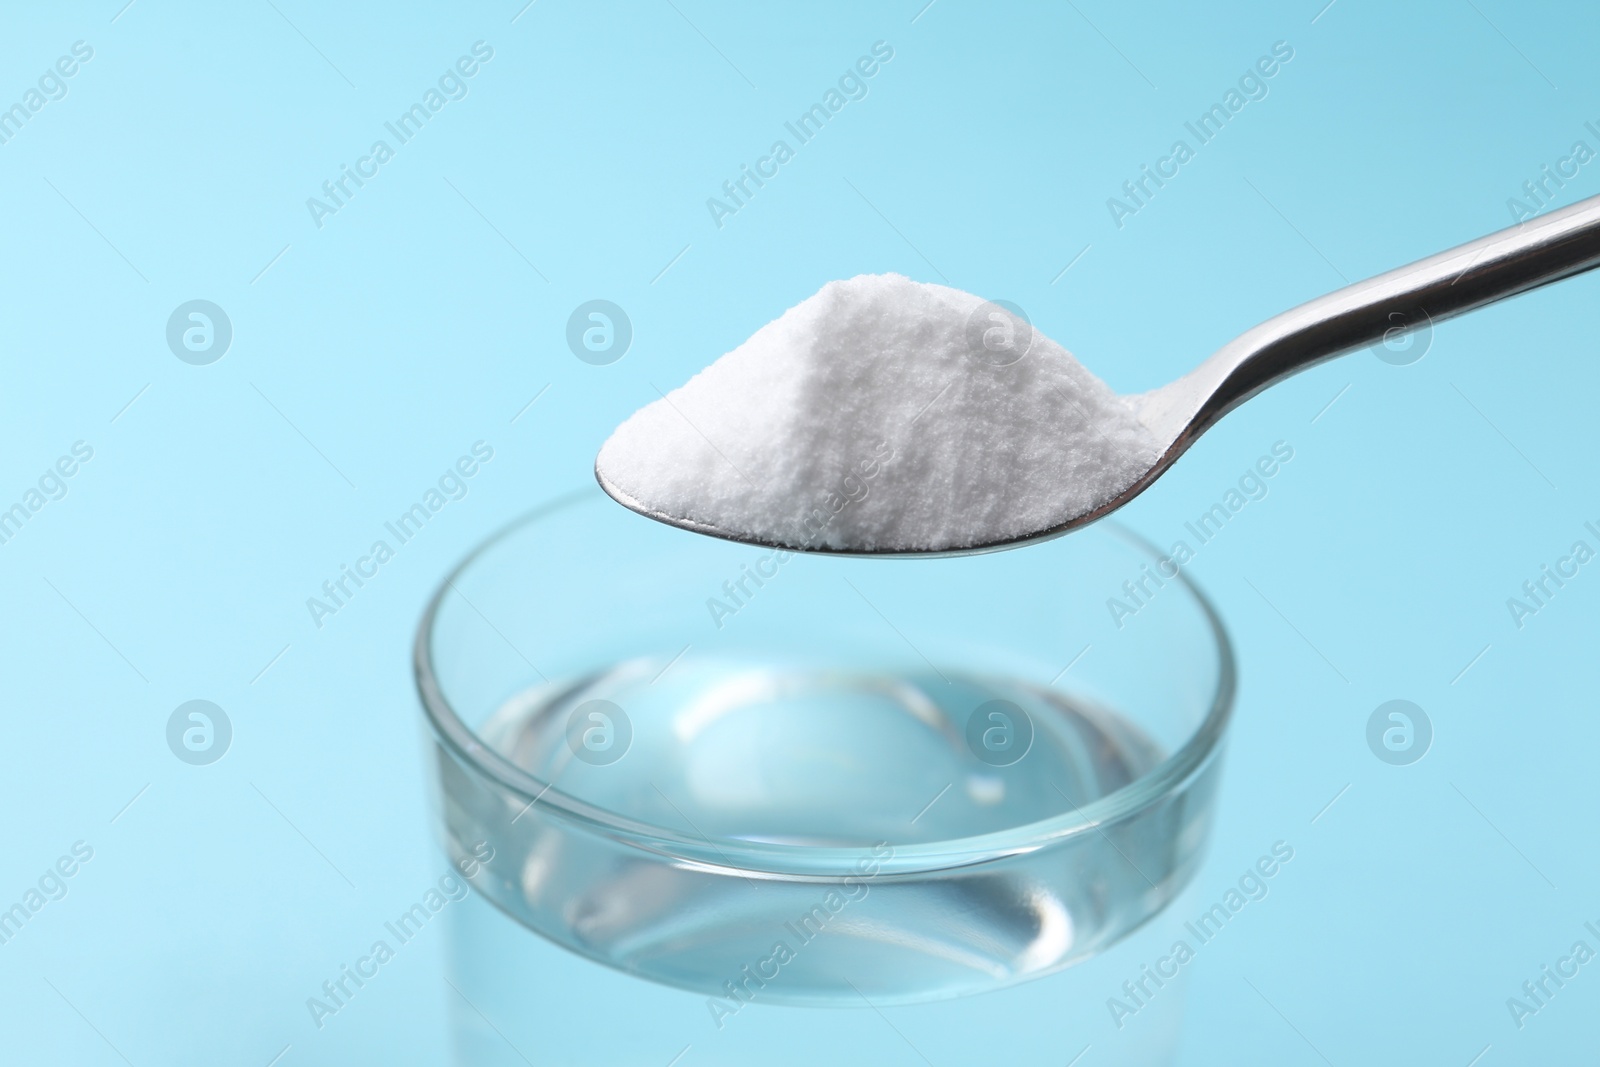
(1525,256)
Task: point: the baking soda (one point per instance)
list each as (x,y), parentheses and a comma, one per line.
(883,414)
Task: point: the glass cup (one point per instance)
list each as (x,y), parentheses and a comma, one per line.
(808,808)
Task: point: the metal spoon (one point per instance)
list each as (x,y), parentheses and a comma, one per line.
(1533,253)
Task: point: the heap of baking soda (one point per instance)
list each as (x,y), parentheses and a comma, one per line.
(882,414)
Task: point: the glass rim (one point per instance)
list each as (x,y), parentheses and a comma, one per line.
(811,861)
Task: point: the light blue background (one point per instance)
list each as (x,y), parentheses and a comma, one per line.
(377,349)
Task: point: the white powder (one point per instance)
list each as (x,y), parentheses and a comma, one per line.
(883,414)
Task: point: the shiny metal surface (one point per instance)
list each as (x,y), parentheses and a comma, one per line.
(1512,261)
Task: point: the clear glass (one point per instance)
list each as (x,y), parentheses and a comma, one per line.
(790,788)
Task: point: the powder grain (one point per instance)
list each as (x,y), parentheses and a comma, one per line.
(883,414)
